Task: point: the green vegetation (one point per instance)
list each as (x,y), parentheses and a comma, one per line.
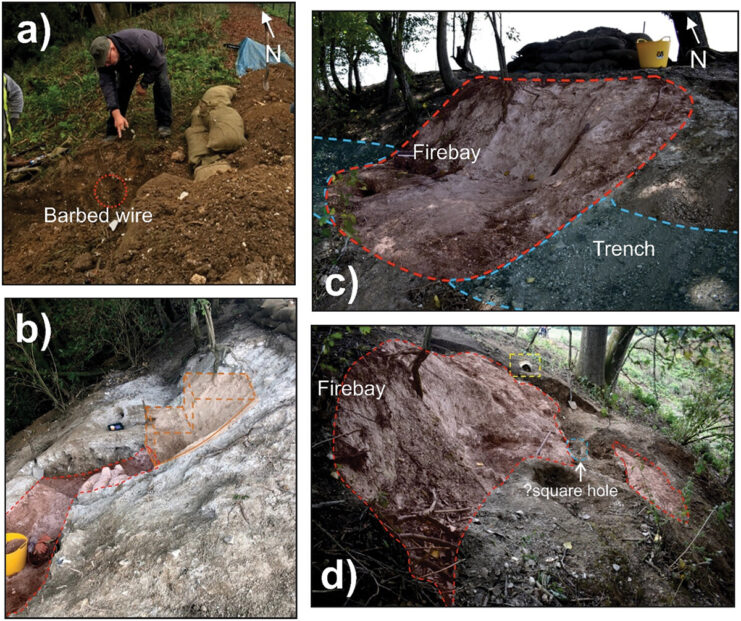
(677,379)
(285,10)
(89,338)
(60,87)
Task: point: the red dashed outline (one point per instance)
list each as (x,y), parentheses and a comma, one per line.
(494,487)
(483,501)
(66,515)
(635,453)
(152,455)
(106,205)
(493,78)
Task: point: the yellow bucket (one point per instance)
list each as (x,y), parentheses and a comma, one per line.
(653,54)
(16,561)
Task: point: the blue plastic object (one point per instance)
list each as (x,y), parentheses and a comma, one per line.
(251,56)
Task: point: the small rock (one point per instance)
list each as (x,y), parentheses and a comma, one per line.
(182,195)
(197,279)
(178,156)
(616,567)
(531,580)
(228,539)
(83,262)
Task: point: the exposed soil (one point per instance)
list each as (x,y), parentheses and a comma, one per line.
(425,463)
(603,549)
(237,227)
(698,269)
(448,217)
(43,511)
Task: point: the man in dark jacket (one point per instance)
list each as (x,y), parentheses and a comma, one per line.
(120,59)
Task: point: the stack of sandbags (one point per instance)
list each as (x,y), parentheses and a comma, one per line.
(599,49)
(215,128)
(275,314)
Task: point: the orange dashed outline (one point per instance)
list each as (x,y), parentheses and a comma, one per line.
(188,388)
(152,455)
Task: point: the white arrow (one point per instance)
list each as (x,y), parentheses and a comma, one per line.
(266,22)
(581,470)
(691,26)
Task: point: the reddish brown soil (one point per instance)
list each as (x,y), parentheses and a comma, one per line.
(547,152)
(43,511)
(651,483)
(237,227)
(426,464)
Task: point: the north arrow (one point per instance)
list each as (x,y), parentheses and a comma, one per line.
(690,26)
(266,22)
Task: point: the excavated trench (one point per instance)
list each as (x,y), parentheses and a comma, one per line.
(209,403)
(426,452)
(43,510)
(545,151)
(236,227)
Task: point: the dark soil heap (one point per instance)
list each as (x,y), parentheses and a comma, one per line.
(598,49)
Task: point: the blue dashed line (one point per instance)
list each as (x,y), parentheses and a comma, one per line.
(533,248)
(586,443)
(375,144)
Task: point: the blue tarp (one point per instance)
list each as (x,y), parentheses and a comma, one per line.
(251,56)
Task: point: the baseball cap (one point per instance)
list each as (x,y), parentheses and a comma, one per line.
(99,49)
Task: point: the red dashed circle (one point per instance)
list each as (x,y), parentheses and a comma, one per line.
(106,205)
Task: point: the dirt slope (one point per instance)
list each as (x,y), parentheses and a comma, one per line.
(237,227)
(546,151)
(606,548)
(171,541)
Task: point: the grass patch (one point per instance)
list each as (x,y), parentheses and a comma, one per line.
(285,10)
(61,91)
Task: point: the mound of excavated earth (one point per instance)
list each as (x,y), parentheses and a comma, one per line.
(504,165)
(427,463)
(209,533)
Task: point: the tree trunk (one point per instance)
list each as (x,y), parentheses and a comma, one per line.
(392,38)
(100,13)
(421,357)
(388,89)
(500,45)
(685,36)
(118,10)
(333,69)
(442,53)
(532,340)
(617,346)
(322,68)
(356,71)
(350,87)
(591,362)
